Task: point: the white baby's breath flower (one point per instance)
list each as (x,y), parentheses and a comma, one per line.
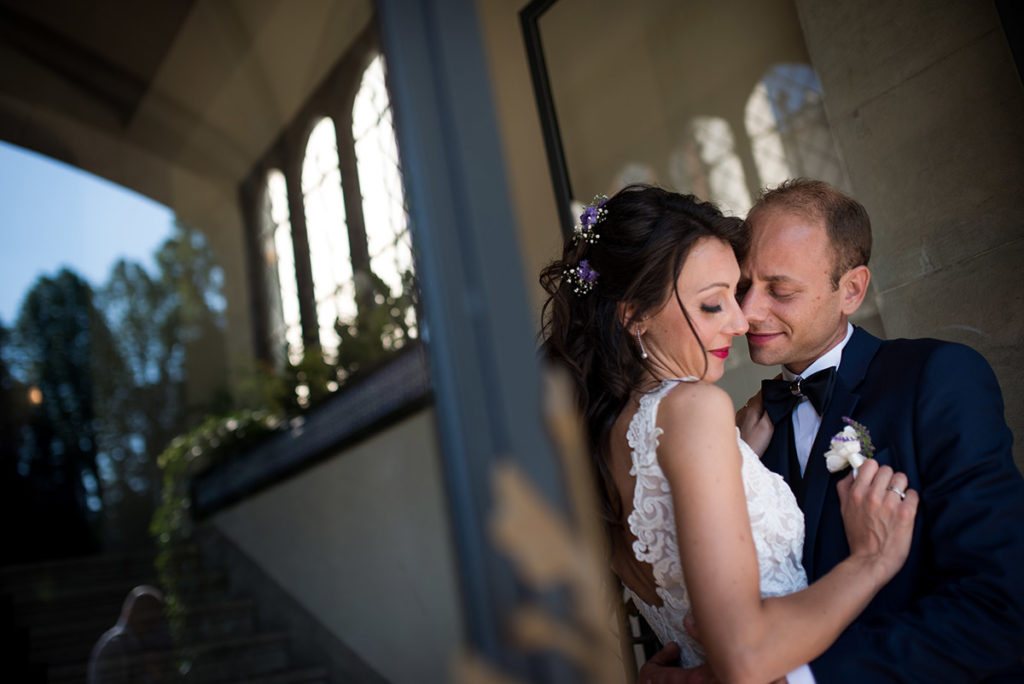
(845,450)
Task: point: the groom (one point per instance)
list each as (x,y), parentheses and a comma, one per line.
(955,612)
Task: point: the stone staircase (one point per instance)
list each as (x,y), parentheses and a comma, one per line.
(51,615)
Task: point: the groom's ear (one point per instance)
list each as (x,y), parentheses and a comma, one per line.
(852,288)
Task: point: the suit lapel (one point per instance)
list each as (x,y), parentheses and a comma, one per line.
(817,479)
(856,357)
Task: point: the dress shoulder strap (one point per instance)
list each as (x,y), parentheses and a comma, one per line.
(643,432)
(651,521)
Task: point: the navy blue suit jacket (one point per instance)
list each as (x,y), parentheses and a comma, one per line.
(955,612)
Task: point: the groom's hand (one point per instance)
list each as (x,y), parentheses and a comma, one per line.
(663,668)
(755,426)
(878,510)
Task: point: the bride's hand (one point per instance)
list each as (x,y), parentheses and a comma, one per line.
(879,522)
(755,426)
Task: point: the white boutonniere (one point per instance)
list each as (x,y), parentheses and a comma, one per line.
(850,447)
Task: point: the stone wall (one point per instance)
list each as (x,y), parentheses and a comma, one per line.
(362,543)
(927,107)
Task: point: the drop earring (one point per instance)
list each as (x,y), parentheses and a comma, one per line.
(643,352)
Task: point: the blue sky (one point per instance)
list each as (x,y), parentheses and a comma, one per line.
(56,215)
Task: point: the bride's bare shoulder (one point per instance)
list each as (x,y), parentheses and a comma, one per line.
(695,419)
(697,401)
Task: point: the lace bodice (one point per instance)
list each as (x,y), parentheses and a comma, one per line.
(776,522)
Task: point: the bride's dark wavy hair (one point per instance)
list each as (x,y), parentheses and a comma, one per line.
(644,240)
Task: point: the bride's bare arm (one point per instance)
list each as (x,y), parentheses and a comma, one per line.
(747,638)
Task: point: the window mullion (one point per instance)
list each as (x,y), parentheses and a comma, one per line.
(250,195)
(353,195)
(300,245)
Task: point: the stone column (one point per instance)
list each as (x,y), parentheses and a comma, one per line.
(927,107)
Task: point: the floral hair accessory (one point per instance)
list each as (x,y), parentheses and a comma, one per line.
(582,278)
(593,214)
(850,447)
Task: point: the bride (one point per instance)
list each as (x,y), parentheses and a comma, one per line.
(642,312)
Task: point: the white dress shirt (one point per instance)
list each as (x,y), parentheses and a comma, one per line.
(806,422)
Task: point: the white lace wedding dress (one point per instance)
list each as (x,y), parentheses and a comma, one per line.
(777,524)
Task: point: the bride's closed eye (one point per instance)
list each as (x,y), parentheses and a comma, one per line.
(710,308)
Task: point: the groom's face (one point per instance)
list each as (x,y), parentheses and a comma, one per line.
(786,291)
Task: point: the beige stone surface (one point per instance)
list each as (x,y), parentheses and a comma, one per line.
(938,162)
(979,303)
(362,541)
(927,108)
(863,49)
(526,166)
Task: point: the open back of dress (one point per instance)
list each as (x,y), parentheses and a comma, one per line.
(776,522)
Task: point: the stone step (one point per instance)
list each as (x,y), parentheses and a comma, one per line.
(46,592)
(103,568)
(76,570)
(56,611)
(196,614)
(47,588)
(309,675)
(107,601)
(66,642)
(234,659)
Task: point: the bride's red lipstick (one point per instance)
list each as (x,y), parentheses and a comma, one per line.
(720,353)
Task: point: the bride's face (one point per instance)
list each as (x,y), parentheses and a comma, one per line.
(707,289)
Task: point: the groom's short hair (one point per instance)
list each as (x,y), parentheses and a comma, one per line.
(845,219)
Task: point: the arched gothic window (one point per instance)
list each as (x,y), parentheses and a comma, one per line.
(275,234)
(788,129)
(707,165)
(383,198)
(355,261)
(329,253)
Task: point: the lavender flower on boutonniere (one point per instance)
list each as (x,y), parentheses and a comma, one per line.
(850,447)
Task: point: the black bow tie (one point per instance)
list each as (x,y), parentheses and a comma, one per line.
(781,396)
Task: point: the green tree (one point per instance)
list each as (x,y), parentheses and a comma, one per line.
(58,335)
(14,491)
(115,375)
(169,334)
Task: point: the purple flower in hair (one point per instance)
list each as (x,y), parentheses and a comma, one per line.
(582,278)
(593,214)
(586,273)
